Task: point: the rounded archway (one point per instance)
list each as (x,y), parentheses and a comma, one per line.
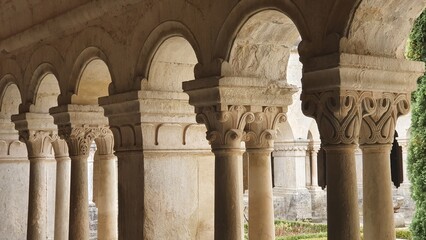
(381,27)
(263,46)
(92,84)
(46,95)
(173,63)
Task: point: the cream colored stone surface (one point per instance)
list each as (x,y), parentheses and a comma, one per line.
(175,206)
(14,187)
(234,59)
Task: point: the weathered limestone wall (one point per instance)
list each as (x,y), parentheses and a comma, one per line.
(178,195)
(14,178)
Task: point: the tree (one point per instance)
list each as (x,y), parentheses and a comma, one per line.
(417,147)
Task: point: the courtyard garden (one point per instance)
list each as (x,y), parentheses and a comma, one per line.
(289,230)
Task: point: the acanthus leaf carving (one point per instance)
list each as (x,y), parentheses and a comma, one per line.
(79,138)
(262,132)
(39,142)
(225,128)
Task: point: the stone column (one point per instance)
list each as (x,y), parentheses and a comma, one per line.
(72,121)
(38,134)
(377,135)
(338,115)
(260,143)
(339,97)
(225,132)
(79,213)
(106,188)
(63,176)
(225,105)
(403,143)
(314,165)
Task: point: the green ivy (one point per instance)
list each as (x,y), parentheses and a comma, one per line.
(417,148)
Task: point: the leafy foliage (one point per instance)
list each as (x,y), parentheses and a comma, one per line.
(417,148)
(416,46)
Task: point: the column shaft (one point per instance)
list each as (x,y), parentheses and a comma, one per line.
(79,205)
(37,209)
(62,204)
(106,197)
(261,207)
(228,194)
(314,168)
(377,190)
(342,194)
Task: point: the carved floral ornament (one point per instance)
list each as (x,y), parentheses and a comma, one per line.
(39,143)
(340,115)
(227,128)
(80,138)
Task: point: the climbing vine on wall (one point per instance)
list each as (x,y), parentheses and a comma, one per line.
(417,149)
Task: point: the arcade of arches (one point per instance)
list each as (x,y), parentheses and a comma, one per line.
(170,110)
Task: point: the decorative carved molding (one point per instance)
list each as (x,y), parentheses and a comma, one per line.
(292,148)
(80,138)
(61,148)
(262,132)
(12,149)
(338,113)
(225,128)
(39,142)
(379,127)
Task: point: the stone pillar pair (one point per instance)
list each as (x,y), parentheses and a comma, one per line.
(245,109)
(80,126)
(43,145)
(358,101)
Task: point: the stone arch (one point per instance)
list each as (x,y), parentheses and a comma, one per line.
(37,86)
(93,81)
(91,59)
(284,132)
(172,63)
(10,71)
(160,35)
(262,47)
(94,43)
(45,94)
(313,132)
(381,27)
(5,82)
(7,97)
(245,10)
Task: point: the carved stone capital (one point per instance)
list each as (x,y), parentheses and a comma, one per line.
(379,126)
(39,143)
(225,128)
(61,148)
(291,148)
(338,113)
(314,147)
(262,132)
(80,138)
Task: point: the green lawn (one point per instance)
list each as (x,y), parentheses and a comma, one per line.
(288,230)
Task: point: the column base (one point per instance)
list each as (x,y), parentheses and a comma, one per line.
(319,204)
